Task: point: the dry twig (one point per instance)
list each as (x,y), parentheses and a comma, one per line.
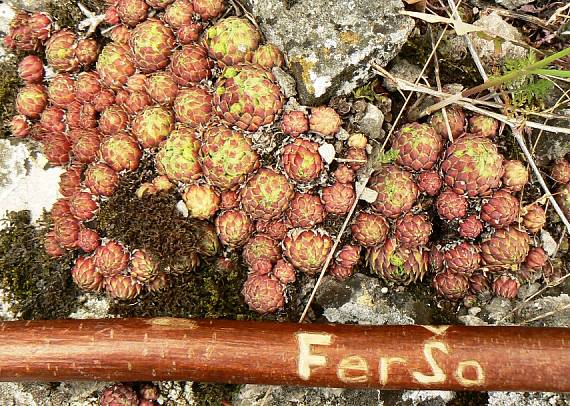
(439,87)
(470,104)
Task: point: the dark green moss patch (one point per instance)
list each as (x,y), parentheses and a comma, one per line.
(209,292)
(152,223)
(37,286)
(9,85)
(67,14)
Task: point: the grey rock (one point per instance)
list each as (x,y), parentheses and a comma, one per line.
(528,289)
(327,152)
(285,81)
(6,15)
(455,49)
(365,193)
(513,4)
(548,243)
(470,320)
(402,69)
(332,293)
(14,393)
(499,309)
(13,162)
(362,299)
(182,208)
(528,398)
(25,183)
(253,395)
(175,393)
(552,146)
(329,44)
(474,311)
(558,305)
(293,105)
(371,123)
(77,393)
(366,305)
(43,394)
(486,49)
(342,135)
(92,307)
(433,398)
(30,5)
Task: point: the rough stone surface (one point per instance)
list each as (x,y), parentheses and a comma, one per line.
(30,5)
(286,82)
(555,145)
(527,399)
(495,25)
(470,320)
(513,4)
(549,244)
(360,300)
(528,289)
(6,14)
(253,395)
(329,43)
(371,123)
(547,311)
(499,309)
(558,305)
(454,48)
(25,182)
(435,397)
(175,393)
(92,307)
(402,69)
(44,394)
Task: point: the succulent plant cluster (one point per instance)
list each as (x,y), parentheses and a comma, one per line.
(152,91)
(485,233)
(191,90)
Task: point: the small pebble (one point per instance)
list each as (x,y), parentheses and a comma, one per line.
(548,243)
(181,207)
(327,152)
(474,311)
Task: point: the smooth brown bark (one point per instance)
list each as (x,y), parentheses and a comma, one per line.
(390,357)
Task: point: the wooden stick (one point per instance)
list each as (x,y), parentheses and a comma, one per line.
(388,357)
